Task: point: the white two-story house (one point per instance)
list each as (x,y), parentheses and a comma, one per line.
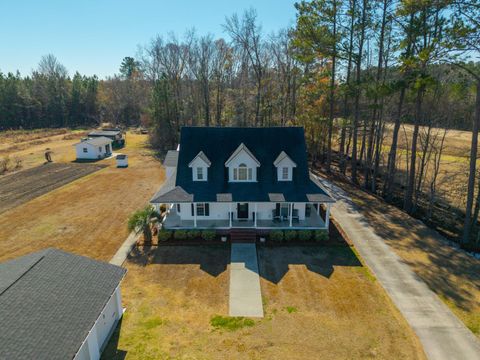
(224,178)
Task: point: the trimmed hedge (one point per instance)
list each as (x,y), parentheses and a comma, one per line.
(209,235)
(304,235)
(193,234)
(180,235)
(276,235)
(290,235)
(320,235)
(164,235)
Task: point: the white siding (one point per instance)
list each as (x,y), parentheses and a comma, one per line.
(102,329)
(93,151)
(242,158)
(286,162)
(219,211)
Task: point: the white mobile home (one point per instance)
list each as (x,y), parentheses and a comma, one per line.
(93,149)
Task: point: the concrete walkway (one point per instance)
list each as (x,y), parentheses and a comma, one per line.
(125,249)
(441,333)
(245,295)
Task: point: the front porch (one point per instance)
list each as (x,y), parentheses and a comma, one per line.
(308,218)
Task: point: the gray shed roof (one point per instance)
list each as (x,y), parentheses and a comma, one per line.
(97,141)
(104,132)
(171,158)
(49,301)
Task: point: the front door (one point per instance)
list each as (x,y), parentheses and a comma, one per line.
(242,211)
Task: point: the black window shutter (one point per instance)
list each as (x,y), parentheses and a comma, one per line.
(192,210)
(207,209)
(277,209)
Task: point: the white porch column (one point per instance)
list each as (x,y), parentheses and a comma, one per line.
(318,208)
(290,208)
(230,214)
(194,215)
(255,215)
(327,216)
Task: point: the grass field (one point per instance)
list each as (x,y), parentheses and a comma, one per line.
(87,216)
(319,302)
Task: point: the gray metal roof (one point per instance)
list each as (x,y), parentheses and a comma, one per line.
(171,158)
(49,301)
(97,141)
(276,197)
(225,197)
(104,132)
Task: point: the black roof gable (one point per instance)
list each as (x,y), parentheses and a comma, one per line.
(266,144)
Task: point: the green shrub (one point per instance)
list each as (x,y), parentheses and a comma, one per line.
(276,235)
(193,234)
(164,235)
(304,235)
(290,235)
(230,323)
(321,235)
(180,234)
(208,235)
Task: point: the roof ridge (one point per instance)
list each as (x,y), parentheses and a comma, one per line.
(26,271)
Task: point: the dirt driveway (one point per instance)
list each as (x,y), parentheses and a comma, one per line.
(23,186)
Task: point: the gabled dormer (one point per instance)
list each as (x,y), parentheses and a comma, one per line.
(200,165)
(285,166)
(242,165)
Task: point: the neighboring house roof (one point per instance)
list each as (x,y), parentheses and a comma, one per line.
(238,150)
(218,144)
(49,301)
(202,156)
(171,158)
(104,133)
(282,156)
(98,141)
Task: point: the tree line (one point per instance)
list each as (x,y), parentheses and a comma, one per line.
(350,71)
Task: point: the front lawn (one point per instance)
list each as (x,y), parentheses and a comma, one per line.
(319,302)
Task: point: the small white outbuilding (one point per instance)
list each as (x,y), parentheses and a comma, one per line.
(94,148)
(122,160)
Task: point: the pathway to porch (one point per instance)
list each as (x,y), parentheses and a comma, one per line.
(245,294)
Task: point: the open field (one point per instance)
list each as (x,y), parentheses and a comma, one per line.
(20,187)
(320,302)
(450,273)
(29,146)
(87,216)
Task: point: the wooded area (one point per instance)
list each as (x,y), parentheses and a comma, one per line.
(346,71)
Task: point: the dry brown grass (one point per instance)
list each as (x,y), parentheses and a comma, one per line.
(319,303)
(87,216)
(29,146)
(449,272)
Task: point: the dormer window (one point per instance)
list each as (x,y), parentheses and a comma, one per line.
(199,173)
(242,165)
(200,165)
(284,165)
(242,173)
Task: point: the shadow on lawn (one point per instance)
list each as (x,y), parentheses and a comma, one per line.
(274,262)
(111,351)
(213,259)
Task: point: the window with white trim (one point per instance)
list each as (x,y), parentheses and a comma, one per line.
(242,173)
(285,173)
(199,173)
(85,150)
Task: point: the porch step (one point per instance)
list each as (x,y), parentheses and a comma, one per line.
(243,236)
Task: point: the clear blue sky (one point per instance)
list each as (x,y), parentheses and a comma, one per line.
(92,36)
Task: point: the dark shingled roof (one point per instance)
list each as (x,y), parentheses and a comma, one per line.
(49,301)
(266,144)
